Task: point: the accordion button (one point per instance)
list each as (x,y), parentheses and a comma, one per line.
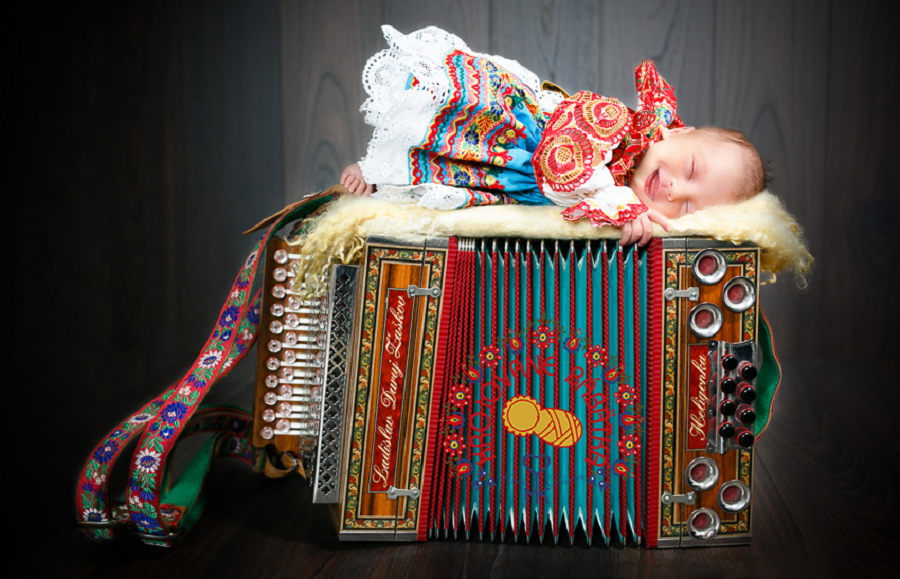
(747,371)
(729,362)
(277,310)
(283,425)
(285,408)
(268,415)
(274,346)
(294,303)
(279,292)
(746,392)
(290,339)
(281,256)
(270,398)
(287,374)
(290,357)
(746,414)
(272,364)
(745,438)
(286,391)
(280,274)
(728,385)
(267,433)
(292,320)
(726,430)
(727,407)
(276,327)
(271,380)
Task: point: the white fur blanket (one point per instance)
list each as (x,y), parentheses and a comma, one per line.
(338,233)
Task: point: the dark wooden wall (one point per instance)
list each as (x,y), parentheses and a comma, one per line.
(147,135)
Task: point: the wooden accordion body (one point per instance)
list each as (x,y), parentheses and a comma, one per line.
(495,386)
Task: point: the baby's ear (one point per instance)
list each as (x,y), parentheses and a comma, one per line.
(666,131)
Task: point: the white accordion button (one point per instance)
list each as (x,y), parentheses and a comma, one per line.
(268,415)
(276,327)
(270,398)
(272,364)
(278,291)
(274,346)
(277,310)
(280,274)
(281,256)
(271,380)
(267,433)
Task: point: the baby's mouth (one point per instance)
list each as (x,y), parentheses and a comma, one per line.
(651,188)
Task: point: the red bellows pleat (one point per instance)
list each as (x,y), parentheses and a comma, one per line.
(572,362)
(623,486)
(589,263)
(554,520)
(638,337)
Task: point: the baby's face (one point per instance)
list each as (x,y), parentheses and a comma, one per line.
(687,171)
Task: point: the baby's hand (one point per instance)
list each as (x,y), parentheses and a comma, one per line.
(642,228)
(352,179)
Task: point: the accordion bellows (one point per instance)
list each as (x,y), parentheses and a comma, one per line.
(337,235)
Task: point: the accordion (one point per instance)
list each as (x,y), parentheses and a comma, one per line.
(510,387)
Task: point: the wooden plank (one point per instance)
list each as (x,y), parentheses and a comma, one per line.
(323,49)
(770,82)
(558,41)
(678,36)
(857,270)
(468,19)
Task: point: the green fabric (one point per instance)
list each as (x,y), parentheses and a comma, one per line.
(191,489)
(768,378)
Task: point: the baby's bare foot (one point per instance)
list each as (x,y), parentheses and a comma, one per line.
(352,179)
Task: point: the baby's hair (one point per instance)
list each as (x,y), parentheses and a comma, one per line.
(756,171)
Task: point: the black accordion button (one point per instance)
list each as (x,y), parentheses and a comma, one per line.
(746,392)
(727,407)
(747,371)
(726,430)
(728,385)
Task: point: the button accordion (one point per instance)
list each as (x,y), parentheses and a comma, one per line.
(511,387)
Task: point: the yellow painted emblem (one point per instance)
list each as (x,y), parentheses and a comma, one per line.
(522,415)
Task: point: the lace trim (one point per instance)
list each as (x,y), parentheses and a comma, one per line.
(400,113)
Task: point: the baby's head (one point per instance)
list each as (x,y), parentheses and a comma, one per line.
(690,169)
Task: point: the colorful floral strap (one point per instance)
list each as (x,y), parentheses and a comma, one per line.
(162,420)
(93,491)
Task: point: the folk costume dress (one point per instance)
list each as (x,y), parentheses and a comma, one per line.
(455,128)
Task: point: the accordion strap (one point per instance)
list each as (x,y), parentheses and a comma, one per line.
(150,510)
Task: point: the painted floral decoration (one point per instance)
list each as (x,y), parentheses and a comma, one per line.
(543,337)
(596,356)
(625,395)
(454,445)
(460,395)
(630,445)
(490,356)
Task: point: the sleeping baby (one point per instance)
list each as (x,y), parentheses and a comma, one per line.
(454,129)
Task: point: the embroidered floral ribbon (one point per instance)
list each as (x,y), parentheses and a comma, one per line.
(162,420)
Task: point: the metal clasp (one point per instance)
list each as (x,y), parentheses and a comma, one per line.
(429,292)
(394,492)
(691,293)
(688,499)
(119,527)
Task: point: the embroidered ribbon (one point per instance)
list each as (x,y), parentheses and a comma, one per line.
(162,420)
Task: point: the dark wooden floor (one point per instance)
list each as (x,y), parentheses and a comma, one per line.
(825,493)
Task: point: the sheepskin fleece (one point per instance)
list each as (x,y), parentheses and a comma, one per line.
(339,233)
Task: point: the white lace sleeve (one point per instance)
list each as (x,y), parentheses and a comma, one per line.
(401,114)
